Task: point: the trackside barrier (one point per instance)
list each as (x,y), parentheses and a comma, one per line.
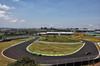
(19,43)
(43,54)
(17,36)
(70,60)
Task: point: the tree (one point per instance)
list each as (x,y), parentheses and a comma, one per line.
(6,33)
(54,36)
(41,27)
(25,61)
(45,28)
(12,34)
(26,31)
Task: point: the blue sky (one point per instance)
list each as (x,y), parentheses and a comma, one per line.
(50,13)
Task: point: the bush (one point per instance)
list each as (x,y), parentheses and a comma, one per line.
(25,61)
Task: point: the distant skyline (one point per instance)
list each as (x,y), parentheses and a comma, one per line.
(50,13)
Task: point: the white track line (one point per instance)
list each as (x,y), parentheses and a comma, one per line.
(98,51)
(10,47)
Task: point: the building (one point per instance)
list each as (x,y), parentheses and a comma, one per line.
(97,30)
(56,33)
(85,31)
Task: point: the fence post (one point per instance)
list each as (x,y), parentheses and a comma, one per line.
(88,61)
(47,63)
(65,63)
(94,62)
(81,62)
(57,62)
(73,61)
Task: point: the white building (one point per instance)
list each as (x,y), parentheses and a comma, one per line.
(57,33)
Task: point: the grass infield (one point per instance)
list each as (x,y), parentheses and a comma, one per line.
(54,49)
(58,39)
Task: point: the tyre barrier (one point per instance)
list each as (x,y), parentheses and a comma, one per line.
(41,54)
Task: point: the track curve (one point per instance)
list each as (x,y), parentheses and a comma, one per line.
(19,51)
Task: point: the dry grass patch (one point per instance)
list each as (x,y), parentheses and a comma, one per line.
(91,38)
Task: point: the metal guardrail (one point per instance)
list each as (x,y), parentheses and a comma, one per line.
(66,61)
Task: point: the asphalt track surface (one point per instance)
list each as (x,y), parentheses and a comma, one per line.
(19,51)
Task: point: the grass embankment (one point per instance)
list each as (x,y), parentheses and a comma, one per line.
(58,39)
(48,48)
(91,38)
(3,45)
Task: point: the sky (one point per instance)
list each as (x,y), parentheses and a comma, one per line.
(50,13)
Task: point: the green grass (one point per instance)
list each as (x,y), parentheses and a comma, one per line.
(91,38)
(48,48)
(1,34)
(3,45)
(59,39)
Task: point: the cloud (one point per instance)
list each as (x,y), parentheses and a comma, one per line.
(15,0)
(4,7)
(14,20)
(4,16)
(2,12)
(91,25)
(12,8)
(22,20)
(51,25)
(61,26)
(97,27)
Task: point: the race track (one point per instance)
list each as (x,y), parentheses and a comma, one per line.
(19,51)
